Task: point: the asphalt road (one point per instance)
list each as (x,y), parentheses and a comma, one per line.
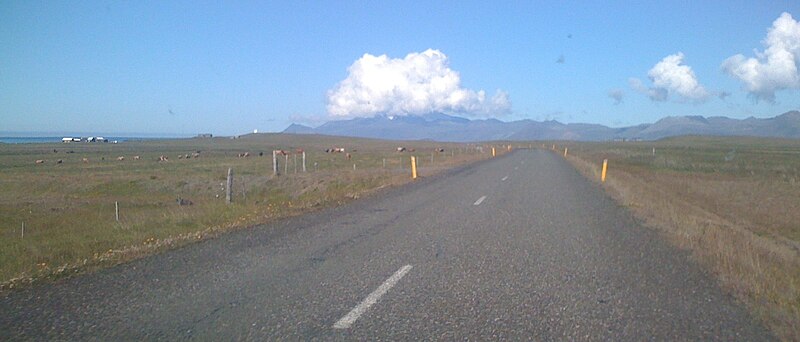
(517,248)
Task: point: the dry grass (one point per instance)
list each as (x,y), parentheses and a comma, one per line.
(740,222)
(69,208)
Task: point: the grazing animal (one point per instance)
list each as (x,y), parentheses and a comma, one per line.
(180,156)
(39,161)
(335,150)
(196,155)
(401,149)
(121,158)
(59,161)
(85,160)
(163,158)
(182,201)
(135,157)
(348,156)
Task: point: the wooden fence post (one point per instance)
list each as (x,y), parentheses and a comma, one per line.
(274,163)
(229,189)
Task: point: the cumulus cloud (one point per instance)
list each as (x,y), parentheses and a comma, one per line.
(671,77)
(774,69)
(655,94)
(616,94)
(420,83)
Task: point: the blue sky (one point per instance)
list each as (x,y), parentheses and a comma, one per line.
(169,67)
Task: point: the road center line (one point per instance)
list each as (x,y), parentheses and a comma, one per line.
(348,320)
(504,178)
(479,201)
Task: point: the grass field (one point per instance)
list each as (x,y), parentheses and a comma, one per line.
(733,202)
(69,209)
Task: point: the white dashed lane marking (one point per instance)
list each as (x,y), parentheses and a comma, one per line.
(479,201)
(348,320)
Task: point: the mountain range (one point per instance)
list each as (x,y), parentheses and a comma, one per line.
(442,127)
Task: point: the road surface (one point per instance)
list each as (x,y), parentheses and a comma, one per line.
(520,247)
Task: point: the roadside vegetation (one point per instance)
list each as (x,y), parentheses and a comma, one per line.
(733,202)
(68,202)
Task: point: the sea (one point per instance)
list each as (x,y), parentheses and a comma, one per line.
(41,140)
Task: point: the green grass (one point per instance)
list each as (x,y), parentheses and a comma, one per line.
(69,208)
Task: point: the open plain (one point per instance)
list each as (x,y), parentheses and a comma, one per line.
(518,247)
(733,202)
(89,205)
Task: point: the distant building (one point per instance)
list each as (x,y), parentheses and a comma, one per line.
(70,140)
(205,135)
(94,139)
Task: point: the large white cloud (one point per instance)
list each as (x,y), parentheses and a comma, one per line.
(775,68)
(420,83)
(671,77)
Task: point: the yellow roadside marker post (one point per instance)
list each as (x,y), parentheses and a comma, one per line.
(605,168)
(413,167)
(493,152)
(565,151)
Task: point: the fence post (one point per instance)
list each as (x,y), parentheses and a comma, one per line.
(244,192)
(274,163)
(413,167)
(116,210)
(229,189)
(565,151)
(304,161)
